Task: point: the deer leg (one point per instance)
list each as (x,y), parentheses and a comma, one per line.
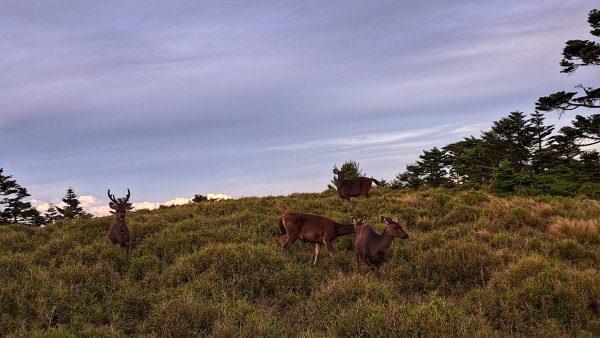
(329,246)
(317,250)
(288,243)
(370,264)
(357,263)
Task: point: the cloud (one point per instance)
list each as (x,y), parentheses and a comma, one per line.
(217,197)
(41,207)
(146,205)
(177,201)
(99,208)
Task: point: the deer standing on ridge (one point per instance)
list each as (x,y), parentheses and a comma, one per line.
(118,233)
(352,187)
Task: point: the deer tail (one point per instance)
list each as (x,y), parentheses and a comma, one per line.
(376,181)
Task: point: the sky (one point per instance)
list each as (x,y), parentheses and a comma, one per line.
(256,98)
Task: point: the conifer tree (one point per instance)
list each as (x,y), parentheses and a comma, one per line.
(433,167)
(13,207)
(541,156)
(51,214)
(577,53)
(72,208)
(510,138)
(506,179)
(411,178)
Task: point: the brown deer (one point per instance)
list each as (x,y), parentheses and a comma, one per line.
(371,245)
(118,233)
(352,187)
(311,229)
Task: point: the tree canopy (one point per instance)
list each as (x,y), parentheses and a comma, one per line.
(576,54)
(13,207)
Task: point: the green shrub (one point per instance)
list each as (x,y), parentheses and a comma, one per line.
(182,315)
(462,213)
(452,267)
(536,296)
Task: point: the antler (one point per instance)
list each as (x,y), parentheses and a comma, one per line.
(112,197)
(127,197)
(119,200)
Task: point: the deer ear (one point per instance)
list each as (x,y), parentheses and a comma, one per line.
(112,205)
(382,219)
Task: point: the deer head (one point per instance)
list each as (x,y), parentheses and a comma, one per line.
(393,228)
(120,205)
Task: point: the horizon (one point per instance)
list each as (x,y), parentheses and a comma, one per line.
(263,99)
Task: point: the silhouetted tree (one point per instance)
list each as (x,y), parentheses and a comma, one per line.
(540,155)
(433,167)
(468,161)
(72,208)
(510,138)
(410,178)
(13,207)
(199,198)
(577,53)
(51,214)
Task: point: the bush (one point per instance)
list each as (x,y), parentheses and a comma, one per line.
(539,296)
(452,267)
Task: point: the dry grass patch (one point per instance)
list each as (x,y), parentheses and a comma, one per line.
(413,201)
(584,231)
(517,212)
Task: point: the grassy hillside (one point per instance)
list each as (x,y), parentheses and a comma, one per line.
(476,266)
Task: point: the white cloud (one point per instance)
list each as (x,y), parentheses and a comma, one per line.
(41,207)
(146,205)
(99,208)
(217,197)
(177,201)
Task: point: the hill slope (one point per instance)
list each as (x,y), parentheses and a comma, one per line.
(476,265)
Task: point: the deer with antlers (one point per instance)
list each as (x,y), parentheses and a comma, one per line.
(118,233)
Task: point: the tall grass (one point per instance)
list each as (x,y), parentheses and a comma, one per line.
(475,266)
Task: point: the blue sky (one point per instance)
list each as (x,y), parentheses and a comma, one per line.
(252,98)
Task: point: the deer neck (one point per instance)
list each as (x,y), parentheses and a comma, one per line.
(345,229)
(386,239)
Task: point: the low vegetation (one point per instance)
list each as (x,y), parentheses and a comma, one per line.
(475,265)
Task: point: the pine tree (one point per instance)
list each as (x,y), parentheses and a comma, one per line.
(72,208)
(51,214)
(539,131)
(576,54)
(411,178)
(541,156)
(433,166)
(13,208)
(510,138)
(469,162)
(506,179)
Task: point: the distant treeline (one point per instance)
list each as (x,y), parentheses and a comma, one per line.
(524,154)
(518,154)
